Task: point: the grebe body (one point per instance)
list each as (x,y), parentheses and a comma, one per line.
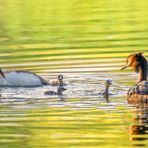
(21,79)
(59,91)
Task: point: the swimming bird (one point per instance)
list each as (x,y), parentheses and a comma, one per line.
(21,79)
(58,82)
(108,83)
(59,91)
(106,93)
(139,92)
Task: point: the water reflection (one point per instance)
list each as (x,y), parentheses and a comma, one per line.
(106,97)
(138,131)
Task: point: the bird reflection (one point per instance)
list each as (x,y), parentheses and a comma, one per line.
(139,127)
(106,97)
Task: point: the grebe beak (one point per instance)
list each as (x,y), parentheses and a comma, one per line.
(124,67)
(1,72)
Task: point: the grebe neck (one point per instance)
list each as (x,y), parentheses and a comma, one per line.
(106,91)
(142,73)
(60,82)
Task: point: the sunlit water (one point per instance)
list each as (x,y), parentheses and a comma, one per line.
(87,42)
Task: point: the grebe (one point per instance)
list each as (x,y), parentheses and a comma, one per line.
(21,79)
(59,91)
(106,93)
(58,82)
(108,83)
(139,92)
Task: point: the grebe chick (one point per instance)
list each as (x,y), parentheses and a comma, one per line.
(108,83)
(58,82)
(139,92)
(106,93)
(59,91)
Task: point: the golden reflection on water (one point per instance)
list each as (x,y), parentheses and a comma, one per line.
(65,127)
(139,127)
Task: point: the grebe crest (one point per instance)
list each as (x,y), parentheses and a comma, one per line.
(136,61)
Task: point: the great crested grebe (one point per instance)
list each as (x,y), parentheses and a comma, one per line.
(58,82)
(21,79)
(59,91)
(139,92)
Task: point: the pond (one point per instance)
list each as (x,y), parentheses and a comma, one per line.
(87,42)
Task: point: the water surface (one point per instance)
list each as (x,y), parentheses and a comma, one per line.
(87,42)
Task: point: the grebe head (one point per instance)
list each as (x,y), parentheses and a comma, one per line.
(2,74)
(108,82)
(60,77)
(137,61)
(139,64)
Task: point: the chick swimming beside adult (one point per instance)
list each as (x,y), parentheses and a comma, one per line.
(106,92)
(59,91)
(59,81)
(108,83)
(139,92)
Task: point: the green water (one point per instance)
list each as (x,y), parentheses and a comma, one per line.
(86,41)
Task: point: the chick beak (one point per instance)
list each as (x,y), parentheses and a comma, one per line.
(1,72)
(64,89)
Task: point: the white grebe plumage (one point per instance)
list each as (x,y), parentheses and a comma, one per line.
(21,79)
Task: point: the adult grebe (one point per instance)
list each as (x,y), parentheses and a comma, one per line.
(139,92)
(58,82)
(21,79)
(59,91)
